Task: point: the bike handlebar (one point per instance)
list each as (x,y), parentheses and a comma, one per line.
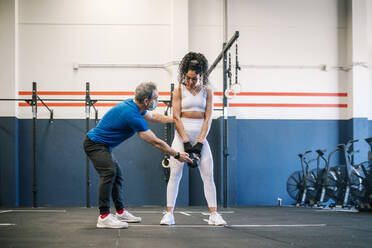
(302,155)
(352,141)
(369,141)
(347,145)
(321,152)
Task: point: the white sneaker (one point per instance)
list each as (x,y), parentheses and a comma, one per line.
(216,219)
(128,217)
(110,221)
(168,219)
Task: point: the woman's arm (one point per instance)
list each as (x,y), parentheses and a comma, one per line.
(208,117)
(177,99)
(155,117)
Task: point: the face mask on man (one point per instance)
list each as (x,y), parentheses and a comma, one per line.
(153,106)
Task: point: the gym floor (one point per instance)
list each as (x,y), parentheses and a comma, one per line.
(248,227)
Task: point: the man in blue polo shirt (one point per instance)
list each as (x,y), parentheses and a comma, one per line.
(117,125)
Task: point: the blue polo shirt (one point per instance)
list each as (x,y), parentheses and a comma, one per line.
(119,124)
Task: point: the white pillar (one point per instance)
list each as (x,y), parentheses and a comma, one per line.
(359,85)
(9,184)
(8,30)
(359,78)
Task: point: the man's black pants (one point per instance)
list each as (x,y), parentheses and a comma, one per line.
(110,175)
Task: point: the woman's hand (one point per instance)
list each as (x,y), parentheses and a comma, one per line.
(197,148)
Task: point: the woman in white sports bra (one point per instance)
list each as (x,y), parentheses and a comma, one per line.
(192,114)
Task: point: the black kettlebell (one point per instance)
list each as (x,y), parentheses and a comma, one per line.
(195,161)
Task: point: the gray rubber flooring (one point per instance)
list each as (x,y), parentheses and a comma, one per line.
(247,227)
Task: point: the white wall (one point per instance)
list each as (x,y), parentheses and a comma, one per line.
(282,46)
(7,56)
(54,35)
(369,38)
(279,34)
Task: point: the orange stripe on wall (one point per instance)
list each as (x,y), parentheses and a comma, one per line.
(76,104)
(284,94)
(82,93)
(54,93)
(284,105)
(167,93)
(244,105)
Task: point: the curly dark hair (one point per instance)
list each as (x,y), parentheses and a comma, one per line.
(196,62)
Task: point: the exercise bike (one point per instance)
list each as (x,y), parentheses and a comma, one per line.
(300,183)
(365,203)
(344,182)
(317,180)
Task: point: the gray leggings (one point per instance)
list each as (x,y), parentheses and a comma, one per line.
(110,175)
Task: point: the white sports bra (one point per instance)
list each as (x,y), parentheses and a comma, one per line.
(191,102)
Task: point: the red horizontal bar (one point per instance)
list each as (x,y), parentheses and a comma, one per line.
(166,93)
(76,104)
(245,105)
(284,105)
(82,93)
(283,94)
(55,93)
(111,93)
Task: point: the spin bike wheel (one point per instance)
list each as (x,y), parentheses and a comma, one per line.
(314,183)
(357,189)
(295,186)
(334,184)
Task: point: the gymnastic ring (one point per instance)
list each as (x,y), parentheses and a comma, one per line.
(227,93)
(236,88)
(165,163)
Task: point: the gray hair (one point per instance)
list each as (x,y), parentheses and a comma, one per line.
(145,90)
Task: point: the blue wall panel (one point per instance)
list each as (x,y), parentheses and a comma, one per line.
(263,153)
(61,167)
(267,155)
(9,161)
(60,163)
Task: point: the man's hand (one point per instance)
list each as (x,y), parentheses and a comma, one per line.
(184,157)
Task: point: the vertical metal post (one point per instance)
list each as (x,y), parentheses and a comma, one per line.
(87,115)
(171,98)
(225,21)
(171,112)
(225,117)
(34,118)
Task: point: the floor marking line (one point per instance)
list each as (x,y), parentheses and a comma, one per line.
(147,212)
(294,225)
(338,210)
(185,213)
(6,211)
(174,226)
(117,239)
(39,211)
(205,213)
(248,226)
(180,212)
(7,224)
